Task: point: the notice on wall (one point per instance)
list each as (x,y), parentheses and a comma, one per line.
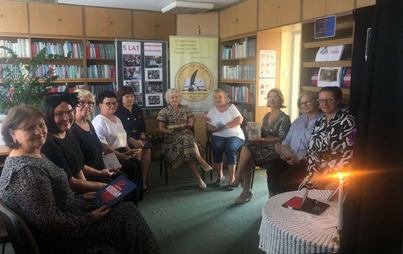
(267,64)
(265,85)
(194,70)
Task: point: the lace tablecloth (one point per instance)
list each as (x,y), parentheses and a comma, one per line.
(284,230)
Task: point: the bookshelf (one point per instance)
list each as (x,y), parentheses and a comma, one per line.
(310,46)
(238,73)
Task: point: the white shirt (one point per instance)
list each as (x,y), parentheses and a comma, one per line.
(227,116)
(110,133)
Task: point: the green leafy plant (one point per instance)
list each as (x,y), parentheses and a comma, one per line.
(19,83)
(155,137)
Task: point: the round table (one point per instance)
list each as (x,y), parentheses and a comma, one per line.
(284,230)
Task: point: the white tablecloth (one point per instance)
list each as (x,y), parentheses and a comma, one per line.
(284,230)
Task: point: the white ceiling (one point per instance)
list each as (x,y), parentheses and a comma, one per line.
(149,5)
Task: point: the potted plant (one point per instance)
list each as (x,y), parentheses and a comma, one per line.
(19,82)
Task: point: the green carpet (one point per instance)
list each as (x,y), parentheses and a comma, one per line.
(186,219)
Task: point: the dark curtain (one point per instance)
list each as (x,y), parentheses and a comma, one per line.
(374,203)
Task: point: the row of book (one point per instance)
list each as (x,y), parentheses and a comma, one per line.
(243,94)
(11,71)
(63,71)
(243,49)
(101,71)
(247,71)
(247,112)
(151,112)
(63,88)
(76,49)
(20,48)
(100,51)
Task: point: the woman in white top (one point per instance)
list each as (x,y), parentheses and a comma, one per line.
(225,139)
(113,137)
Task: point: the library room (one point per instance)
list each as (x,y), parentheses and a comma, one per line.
(201,126)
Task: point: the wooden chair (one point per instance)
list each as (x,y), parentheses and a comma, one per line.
(18,232)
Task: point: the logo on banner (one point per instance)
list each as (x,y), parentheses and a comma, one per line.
(194,81)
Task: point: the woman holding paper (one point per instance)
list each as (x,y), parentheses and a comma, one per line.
(60,221)
(287,172)
(260,151)
(179,145)
(331,143)
(61,146)
(90,145)
(226,139)
(113,137)
(132,119)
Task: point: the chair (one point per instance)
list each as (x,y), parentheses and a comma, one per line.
(164,164)
(4,239)
(19,233)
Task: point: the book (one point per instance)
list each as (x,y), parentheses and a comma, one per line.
(284,150)
(113,192)
(111,161)
(329,76)
(329,53)
(219,125)
(253,130)
(146,143)
(306,204)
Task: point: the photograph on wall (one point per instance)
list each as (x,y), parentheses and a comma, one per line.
(153,100)
(154,74)
(154,87)
(153,61)
(138,99)
(131,73)
(131,60)
(133,84)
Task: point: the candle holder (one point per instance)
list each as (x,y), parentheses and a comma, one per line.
(337,239)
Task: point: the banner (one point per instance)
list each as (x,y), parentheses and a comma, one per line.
(194,70)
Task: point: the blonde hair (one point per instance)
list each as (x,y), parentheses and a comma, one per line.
(279,94)
(170,92)
(83,92)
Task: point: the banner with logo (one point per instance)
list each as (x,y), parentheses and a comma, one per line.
(194,70)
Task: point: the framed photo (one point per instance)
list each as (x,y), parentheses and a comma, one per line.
(154,87)
(154,100)
(138,99)
(135,84)
(153,61)
(154,74)
(131,60)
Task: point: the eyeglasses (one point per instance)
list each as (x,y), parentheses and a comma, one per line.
(272,98)
(61,114)
(110,104)
(307,103)
(323,101)
(32,128)
(89,103)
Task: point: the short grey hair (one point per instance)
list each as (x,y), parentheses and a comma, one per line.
(170,92)
(83,92)
(311,94)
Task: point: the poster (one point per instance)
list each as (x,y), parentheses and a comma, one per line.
(265,85)
(267,64)
(194,70)
(142,65)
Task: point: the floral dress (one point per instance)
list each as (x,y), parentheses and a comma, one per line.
(264,153)
(178,148)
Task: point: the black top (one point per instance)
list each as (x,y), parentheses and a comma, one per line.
(65,153)
(132,122)
(90,146)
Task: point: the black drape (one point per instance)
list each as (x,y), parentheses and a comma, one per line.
(374,203)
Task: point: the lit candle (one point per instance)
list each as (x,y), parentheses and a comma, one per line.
(341,198)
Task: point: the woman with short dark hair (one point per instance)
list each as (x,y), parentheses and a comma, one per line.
(133,122)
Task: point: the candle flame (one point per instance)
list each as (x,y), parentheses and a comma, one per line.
(340,176)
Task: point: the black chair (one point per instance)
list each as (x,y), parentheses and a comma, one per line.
(18,232)
(4,239)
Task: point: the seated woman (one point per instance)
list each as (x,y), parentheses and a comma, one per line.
(90,145)
(112,135)
(287,172)
(260,151)
(179,145)
(61,222)
(61,146)
(225,140)
(132,119)
(331,144)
